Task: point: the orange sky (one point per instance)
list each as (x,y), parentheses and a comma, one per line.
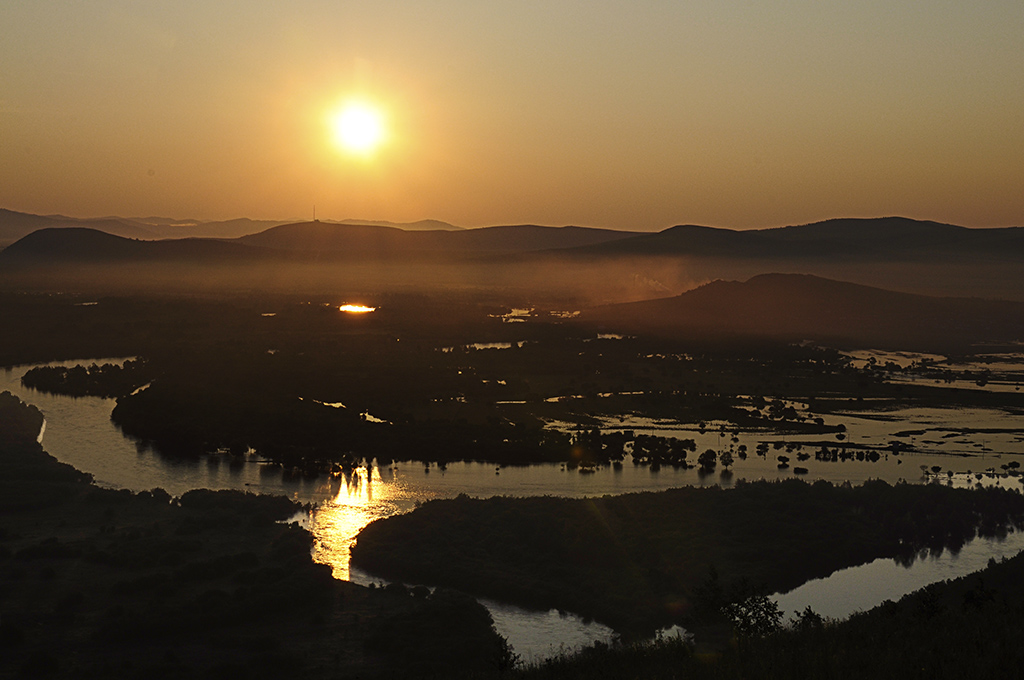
(627,115)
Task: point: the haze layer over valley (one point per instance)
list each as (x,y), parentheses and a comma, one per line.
(583,265)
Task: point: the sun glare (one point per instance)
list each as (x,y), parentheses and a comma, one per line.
(358,127)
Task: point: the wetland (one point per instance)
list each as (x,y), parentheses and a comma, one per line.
(767,463)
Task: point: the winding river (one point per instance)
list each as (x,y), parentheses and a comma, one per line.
(79,431)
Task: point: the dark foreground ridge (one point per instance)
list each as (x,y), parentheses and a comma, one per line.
(96,583)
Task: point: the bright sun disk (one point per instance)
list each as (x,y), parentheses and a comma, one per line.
(358,128)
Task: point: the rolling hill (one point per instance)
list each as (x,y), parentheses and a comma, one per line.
(880,239)
(600,265)
(16,225)
(312,240)
(385,241)
(69,245)
(796,307)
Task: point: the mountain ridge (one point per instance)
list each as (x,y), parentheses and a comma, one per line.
(895,253)
(885,238)
(15,225)
(384,240)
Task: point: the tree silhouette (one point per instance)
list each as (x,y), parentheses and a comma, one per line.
(708,460)
(725,459)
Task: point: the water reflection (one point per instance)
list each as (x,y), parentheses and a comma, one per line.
(996,372)
(540,635)
(863,587)
(359,496)
(534,635)
(515,315)
(480,346)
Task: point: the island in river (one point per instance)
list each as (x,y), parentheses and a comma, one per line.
(640,562)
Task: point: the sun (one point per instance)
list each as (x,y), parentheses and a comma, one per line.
(358,127)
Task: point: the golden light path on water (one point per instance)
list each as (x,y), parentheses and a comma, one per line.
(361,497)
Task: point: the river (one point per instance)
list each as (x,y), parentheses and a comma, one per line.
(79,431)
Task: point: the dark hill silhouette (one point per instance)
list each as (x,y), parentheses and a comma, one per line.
(418,225)
(15,225)
(308,240)
(866,229)
(887,238)
(899,237)
(228,229)
(690,240)
(531,237)
(382,241)
(796,307)
(78,244)
(597,264)
(327,238)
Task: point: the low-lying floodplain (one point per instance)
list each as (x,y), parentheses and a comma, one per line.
(640,482)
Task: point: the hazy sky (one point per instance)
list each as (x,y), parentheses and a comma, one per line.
(643,114)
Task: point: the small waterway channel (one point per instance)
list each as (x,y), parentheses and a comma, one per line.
(79,431)
(860,588)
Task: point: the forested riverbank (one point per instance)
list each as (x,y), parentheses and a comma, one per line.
(639,562)
(967,628)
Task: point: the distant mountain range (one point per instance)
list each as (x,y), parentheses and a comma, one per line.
(840,240)
(77,244)
(883,239)
(795,307)
(312,240)
(599,264)
(16,225)
(385,242)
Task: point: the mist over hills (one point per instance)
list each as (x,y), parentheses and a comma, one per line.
(237,228)
(384,242)
(82,245)
(580,263)
(796,307)
(887,238)
(304,240)
(418,225)
(15,225)
(318,256)
(839,240)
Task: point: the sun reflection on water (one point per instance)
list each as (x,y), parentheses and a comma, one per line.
(356,309)
(358,498)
